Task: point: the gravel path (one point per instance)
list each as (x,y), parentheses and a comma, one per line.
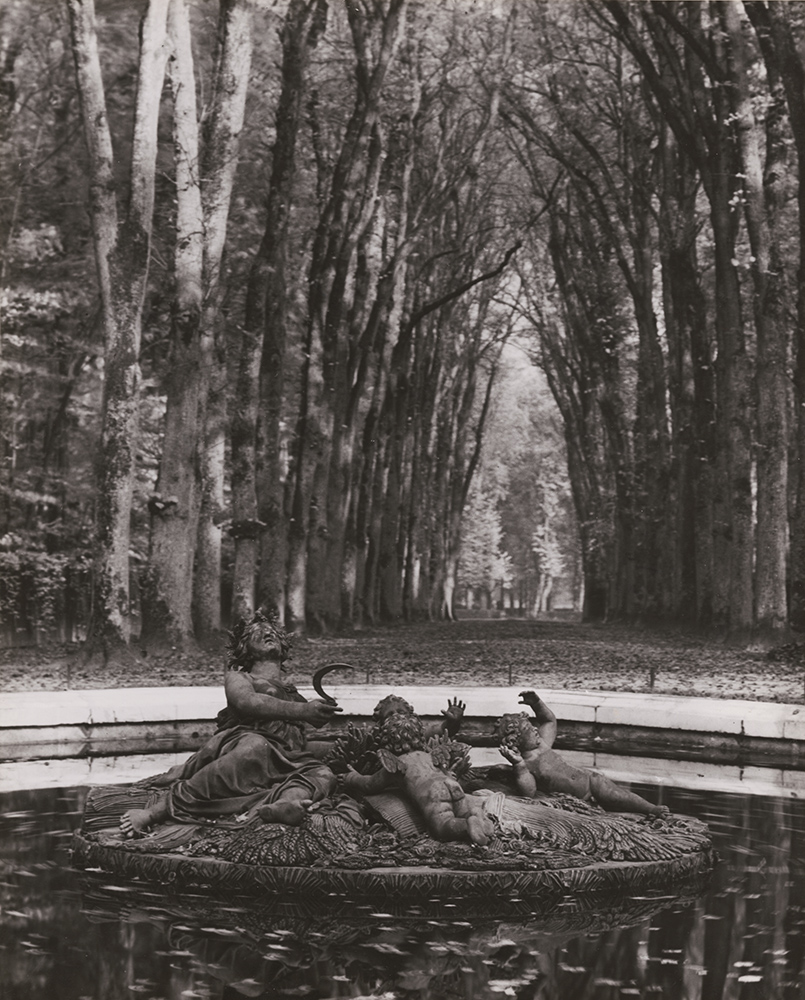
(534,654)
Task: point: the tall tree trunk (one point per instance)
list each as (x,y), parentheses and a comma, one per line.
(792,71)
(453,479)
(258,478)
(427,376)
(736,411)
(221,143)
(259,475)
(762,201)
(650,433)
(392,424)
(377,488)
(122,257)
(345,217)
(200,236)
(168,582)
(245,527)
(733,503)
(207,607)
(389,570)
(691,388)
(361,519)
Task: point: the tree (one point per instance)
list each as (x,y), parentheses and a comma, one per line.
(122,252)
(483,564)
(522,479)
(204,180)
(778,25)
(303,307)
(764,180)
(257,475)
(698,111)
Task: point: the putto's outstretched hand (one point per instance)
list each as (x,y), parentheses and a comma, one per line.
(529,698)
(453,715)
(512,754)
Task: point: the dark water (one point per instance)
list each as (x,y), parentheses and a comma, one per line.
(76,936)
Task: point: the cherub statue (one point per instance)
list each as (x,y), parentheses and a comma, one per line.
(538,768)
(421,767)
(393,704)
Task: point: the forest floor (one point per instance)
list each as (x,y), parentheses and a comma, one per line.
(543,654)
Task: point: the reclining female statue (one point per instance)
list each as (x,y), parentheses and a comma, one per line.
(257,760)
(538,768)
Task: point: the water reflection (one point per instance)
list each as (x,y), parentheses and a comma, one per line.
(74,936)
(427,951)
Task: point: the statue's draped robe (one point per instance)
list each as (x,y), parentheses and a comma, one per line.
(247,763)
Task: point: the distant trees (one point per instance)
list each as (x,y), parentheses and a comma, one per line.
(484,570)
(519,543)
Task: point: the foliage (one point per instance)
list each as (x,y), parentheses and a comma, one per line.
(506,173)
(40,592)
(50,392)
(483,564)
(519,524)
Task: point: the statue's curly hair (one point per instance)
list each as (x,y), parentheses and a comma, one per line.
(511,728)
(392,704)
(237,647)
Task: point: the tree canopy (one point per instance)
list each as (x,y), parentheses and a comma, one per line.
(266,267)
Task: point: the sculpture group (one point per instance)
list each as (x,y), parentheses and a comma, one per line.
(392,794)
(257,764)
